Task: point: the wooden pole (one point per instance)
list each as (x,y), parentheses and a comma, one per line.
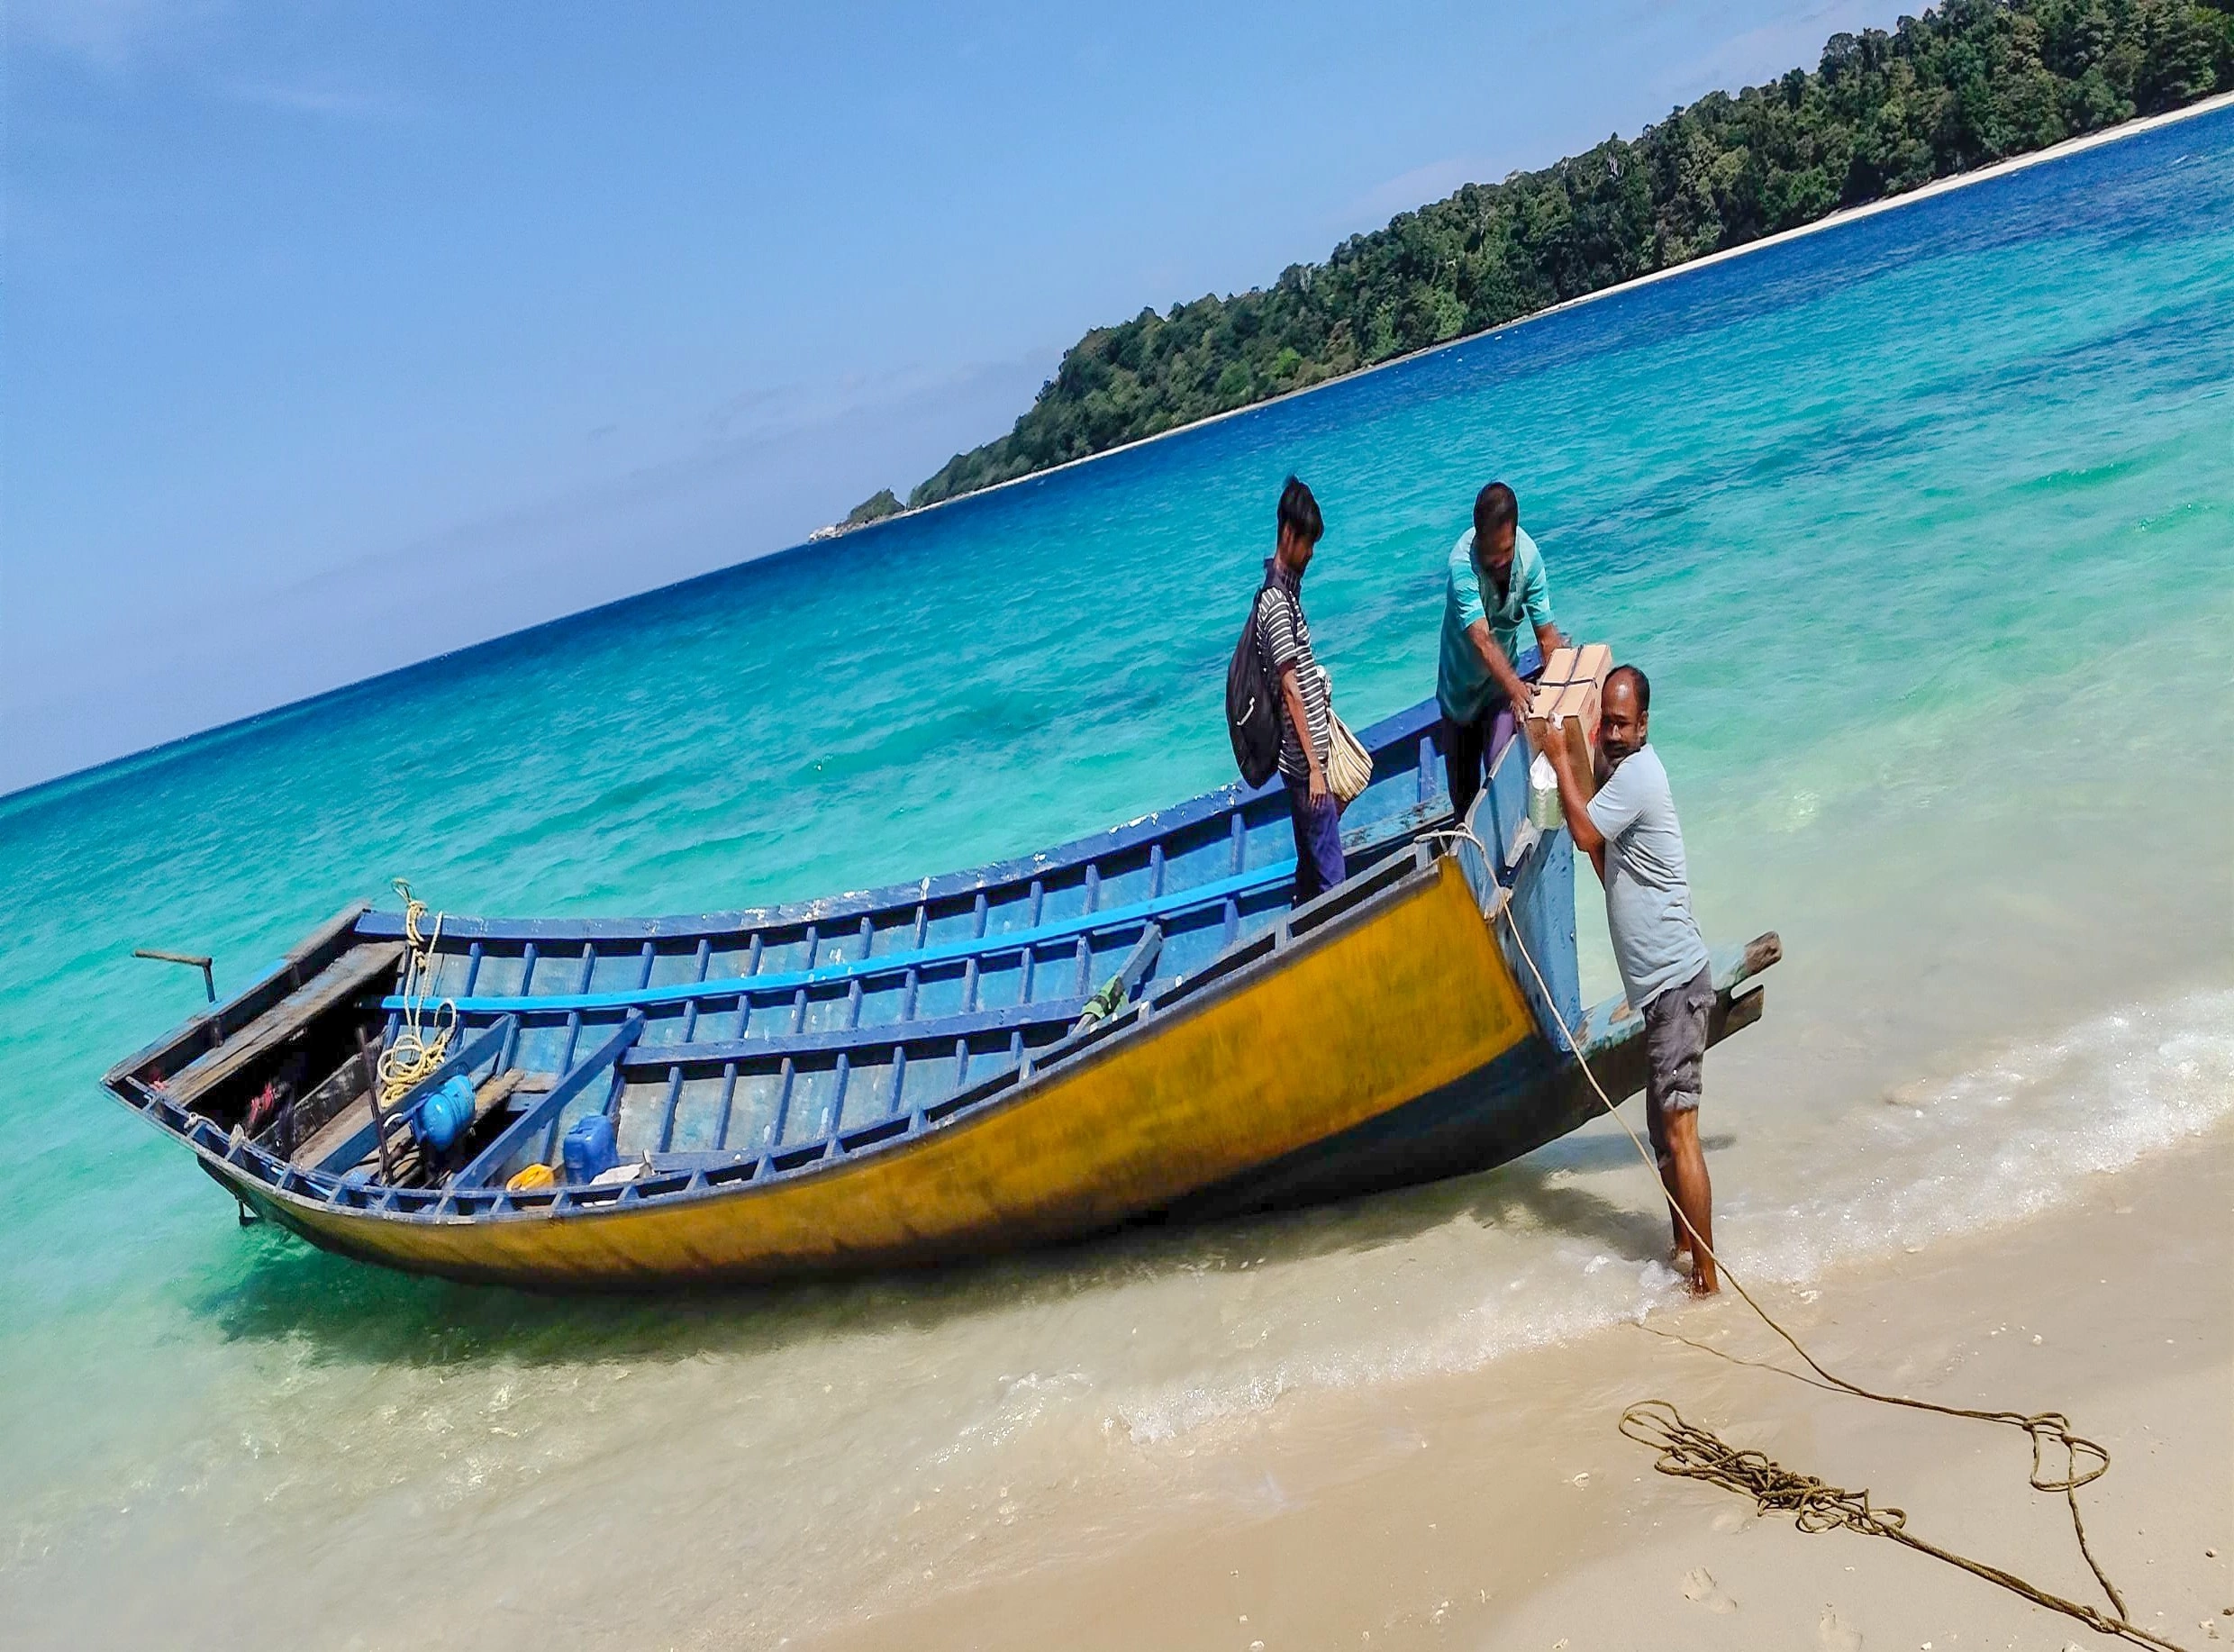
(193,960)
(372,1099)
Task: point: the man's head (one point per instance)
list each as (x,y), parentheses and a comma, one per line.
(1624,711)
(1496,519)
(1300,525)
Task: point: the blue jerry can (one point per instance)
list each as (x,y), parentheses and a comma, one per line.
(588,1149)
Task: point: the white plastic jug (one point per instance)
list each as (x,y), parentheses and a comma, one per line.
(1543,795)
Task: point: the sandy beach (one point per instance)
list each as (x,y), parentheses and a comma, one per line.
(1503,1509)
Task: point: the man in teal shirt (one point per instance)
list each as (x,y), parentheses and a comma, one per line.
(1497,628)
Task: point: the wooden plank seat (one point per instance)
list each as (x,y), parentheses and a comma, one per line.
(330,1137)
(352,974)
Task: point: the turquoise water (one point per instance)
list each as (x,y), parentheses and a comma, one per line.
(1923,527)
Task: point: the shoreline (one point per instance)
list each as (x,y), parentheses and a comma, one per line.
(1503,1507)
(1845,215)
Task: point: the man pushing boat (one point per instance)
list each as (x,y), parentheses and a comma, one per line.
(1630,831)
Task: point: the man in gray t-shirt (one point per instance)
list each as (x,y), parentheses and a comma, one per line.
(1630,831)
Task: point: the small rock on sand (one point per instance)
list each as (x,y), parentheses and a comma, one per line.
(1699,1585)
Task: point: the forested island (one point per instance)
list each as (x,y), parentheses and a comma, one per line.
(1966,84)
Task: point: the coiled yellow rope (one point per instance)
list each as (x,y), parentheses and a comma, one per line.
(415,1050)
(1693,1453)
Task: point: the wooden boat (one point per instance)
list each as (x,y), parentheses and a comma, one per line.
(906,1076)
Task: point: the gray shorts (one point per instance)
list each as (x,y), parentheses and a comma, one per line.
(1675,1047)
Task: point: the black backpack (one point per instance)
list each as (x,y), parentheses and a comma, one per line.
(1252,703)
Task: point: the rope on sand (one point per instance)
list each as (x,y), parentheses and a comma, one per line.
(1693,1453)
(1689,1452)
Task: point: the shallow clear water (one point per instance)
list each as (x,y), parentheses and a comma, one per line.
(1923,527)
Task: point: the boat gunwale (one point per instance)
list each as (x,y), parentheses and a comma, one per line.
(1240,888)
(1416,721)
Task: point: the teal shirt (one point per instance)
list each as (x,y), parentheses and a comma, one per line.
(1463,686)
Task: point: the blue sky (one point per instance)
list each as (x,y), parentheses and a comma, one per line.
(339,335)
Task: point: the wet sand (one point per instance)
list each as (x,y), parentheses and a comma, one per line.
(1503,1509)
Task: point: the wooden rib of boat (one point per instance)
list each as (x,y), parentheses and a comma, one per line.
(937,1088)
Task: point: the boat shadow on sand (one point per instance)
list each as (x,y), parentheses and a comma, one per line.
(289,1292)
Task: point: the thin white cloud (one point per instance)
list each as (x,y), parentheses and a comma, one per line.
(107,35)
(117,37)
(322,101)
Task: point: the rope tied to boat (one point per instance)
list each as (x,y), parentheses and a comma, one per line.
(1687,1451)
(420,1043)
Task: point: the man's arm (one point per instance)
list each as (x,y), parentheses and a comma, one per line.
(1536,601)
(1501,669)
(1574,803)
(1292,691)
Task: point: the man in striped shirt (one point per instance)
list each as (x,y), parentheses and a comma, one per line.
(1284,635)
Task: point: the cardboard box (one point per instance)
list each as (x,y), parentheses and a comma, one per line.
(1568,699)
(1568,712)
(1586,664)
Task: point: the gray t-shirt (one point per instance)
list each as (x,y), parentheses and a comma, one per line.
(1657,942)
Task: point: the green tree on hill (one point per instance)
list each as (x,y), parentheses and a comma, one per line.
(1970,83)
(879,505)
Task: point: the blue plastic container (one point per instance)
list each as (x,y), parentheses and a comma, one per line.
(588,1150)
(443,1116)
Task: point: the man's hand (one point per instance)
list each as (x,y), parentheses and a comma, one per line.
(1527,725)
(1299,721)
(1554,746)
(1500,669)
(1572,802)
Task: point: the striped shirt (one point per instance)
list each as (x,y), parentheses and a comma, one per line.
(1285,634)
